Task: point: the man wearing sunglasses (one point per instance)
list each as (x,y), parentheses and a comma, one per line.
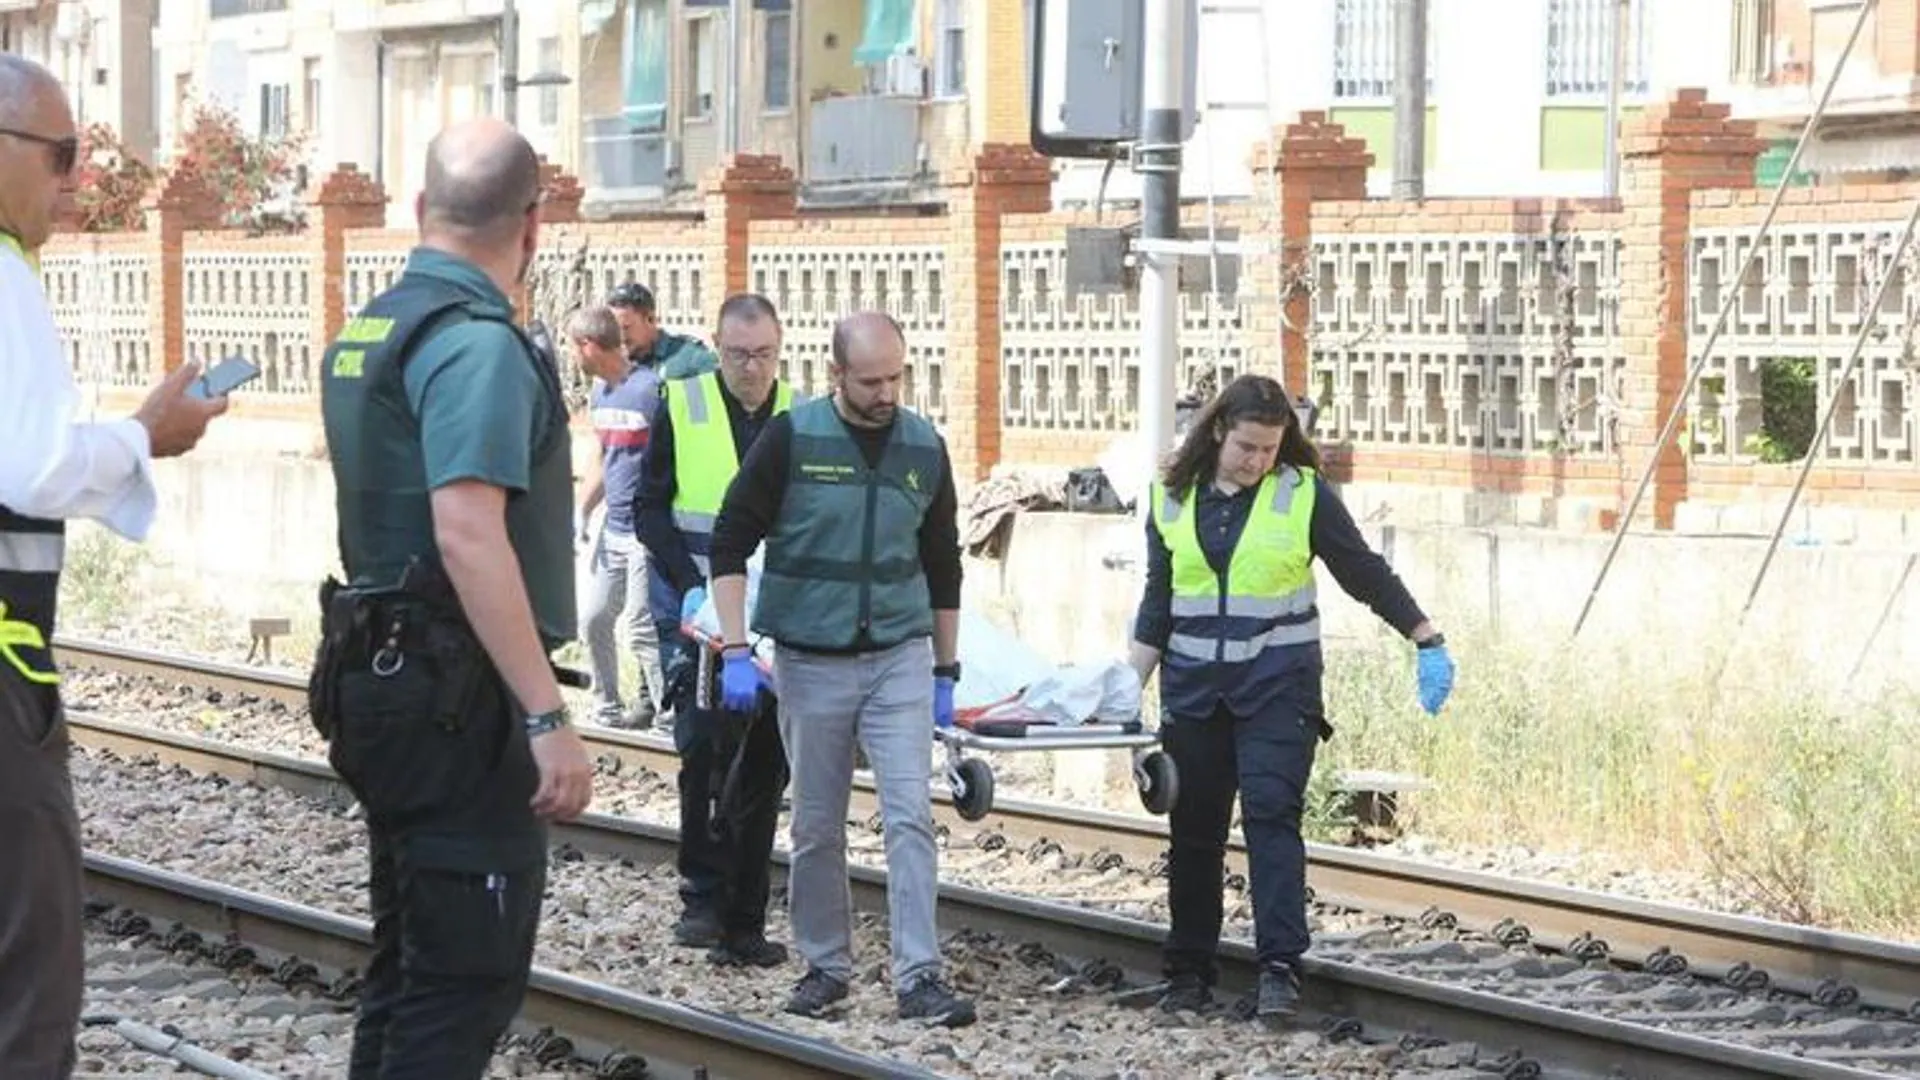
(52,469)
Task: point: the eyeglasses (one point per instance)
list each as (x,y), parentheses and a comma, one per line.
(751,356)
(66,152)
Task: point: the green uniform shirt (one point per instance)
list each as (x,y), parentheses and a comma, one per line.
(483,413)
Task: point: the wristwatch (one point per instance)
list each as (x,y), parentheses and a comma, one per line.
(551,720)
(947,671)
(1435,642)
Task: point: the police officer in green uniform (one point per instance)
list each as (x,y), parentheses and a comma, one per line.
(448,439)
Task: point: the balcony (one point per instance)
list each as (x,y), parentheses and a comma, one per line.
(620,159)
(864,139)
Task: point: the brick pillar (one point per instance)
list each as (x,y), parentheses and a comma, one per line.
(1317,161)
(346,199)
(563,194)
(742,189)
(1669,151)
(1002,179)
(174,206)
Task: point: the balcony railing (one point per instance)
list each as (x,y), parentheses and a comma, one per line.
(622,159)
(222,9)
(869,138)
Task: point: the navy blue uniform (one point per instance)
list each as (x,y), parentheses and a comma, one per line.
(1262,749)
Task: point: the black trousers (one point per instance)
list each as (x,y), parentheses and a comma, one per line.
(42,966)
(733,768)
(1266,759)
(458,870)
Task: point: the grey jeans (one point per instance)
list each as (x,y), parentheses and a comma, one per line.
(618,585)
(884,699)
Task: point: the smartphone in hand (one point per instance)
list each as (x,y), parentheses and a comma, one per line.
(224,378)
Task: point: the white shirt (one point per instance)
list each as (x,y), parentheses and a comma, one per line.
(50,465)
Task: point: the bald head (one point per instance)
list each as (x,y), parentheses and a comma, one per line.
(25,88)
(869,364)
(482,180)
(864,334)
(37,151)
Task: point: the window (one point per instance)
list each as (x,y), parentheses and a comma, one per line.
(1363,48)
(643,54)
(776,90)
(1580,47)
(549,95)
(701,61)
(950,49)
(273,110)
(1752,51)
(310,103)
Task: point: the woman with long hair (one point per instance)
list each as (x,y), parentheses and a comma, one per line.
(1229,618)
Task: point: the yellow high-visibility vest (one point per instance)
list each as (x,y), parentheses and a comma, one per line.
(704,457)
(1269,580)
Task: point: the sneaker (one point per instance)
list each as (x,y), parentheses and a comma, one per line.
(930,1000)
(754,951)
(815,993)
(1279,995)
(697,929)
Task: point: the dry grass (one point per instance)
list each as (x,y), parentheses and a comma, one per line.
(1806,807)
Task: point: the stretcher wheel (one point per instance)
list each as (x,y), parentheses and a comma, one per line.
(1159,782)
(972,783)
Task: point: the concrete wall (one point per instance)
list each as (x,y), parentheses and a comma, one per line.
(264,516)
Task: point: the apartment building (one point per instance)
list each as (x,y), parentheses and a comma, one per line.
(1517,89)
(867,99)
(100,50)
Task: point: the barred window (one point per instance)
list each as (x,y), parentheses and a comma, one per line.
(1363,44)
(1580,47)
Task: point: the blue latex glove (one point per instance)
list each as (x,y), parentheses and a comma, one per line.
(691,603)
(1434,668)
(942,701)
(739,682)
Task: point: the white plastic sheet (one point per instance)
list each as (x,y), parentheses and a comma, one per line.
(999,669)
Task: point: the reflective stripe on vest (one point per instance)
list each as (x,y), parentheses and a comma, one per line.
(1271,595)
(704,457)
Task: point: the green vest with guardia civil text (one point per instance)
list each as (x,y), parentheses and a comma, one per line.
(843,560)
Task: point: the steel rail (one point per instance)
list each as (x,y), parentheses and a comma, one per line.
(1582,1043)
(1796,958)
(676,1040)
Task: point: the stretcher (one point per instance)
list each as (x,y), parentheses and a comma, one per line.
(1011,713)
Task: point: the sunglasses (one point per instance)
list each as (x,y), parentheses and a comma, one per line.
(66,152)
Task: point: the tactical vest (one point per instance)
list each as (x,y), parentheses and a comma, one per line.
(32,551)
(1231,632)
(843,561)
(362,376)
(704,457)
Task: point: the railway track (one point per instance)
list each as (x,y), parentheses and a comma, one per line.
(1797,959)
(620,1032)
(1842,969)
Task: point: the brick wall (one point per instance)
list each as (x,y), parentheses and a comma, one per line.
(1523,352)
